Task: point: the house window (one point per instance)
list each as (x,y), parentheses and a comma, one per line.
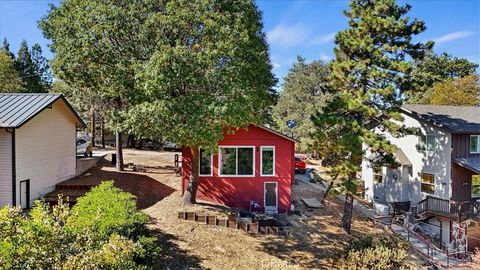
(427,143)
(267,160)
(237,161)
(476,186)
(428,183)
(206,163)
(475,144)
(377,175)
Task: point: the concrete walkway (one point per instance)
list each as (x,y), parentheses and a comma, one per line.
(357,206)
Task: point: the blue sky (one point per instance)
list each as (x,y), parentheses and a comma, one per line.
(295,27)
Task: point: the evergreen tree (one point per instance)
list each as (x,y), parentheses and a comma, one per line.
(433,69)
(304,92)
(6,48)
(41,69)
(10,81)
(24,65)
(368,77)
(33,68)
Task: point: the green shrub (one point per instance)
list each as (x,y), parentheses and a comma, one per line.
(376,252)
(96,234)
(107,210)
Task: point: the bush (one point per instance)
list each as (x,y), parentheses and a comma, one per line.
(107,210)
(96,234)
(376,252)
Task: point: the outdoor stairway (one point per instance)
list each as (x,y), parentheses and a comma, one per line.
(431,253)
(70,191)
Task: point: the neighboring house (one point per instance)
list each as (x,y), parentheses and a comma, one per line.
(255,164)
(439,171)
(37,145)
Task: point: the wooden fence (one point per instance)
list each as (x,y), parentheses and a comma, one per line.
(234,223)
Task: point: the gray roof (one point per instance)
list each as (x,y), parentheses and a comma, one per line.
(456,119)
(472,164)
(16,109)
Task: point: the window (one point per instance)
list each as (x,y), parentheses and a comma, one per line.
(474,143)
(427,143)
(476,186)
(206,162)
(237,161)
(267,158)
(427,183)
(377,175)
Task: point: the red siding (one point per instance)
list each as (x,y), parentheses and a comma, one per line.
(238,191)
(461,146)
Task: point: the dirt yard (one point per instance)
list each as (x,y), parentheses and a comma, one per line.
(315,242)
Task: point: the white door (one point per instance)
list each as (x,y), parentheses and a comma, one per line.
(25,194)
(271,197)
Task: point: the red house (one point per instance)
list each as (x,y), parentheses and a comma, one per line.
(254,164)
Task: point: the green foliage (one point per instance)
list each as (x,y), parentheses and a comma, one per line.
(304,92)
(433,69)
(106,210)
(33,68)
(10,81)
(47,240)
(210,71)
(367,79)
(463,91)
(376,252)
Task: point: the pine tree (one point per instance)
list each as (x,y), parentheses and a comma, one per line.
(41,68)
(25,67)
(368,77)
(10,81)
(6,48)
(303,93)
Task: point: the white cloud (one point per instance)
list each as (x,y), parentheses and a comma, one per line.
(284,35)
(276,65)
(325,57)
(453,36)
(323,39)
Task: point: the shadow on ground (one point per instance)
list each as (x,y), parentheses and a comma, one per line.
(171,255)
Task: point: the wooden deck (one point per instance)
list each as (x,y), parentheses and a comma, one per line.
(454,210)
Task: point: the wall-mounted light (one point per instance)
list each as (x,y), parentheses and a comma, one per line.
(464,184)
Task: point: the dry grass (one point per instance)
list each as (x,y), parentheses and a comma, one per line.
(315,242)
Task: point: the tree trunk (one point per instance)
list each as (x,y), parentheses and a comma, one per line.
(92,126)
(103,132)
(190,195)
(119,152)
(325,195)
(347,212)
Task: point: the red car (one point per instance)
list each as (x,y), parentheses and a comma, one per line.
(300,165)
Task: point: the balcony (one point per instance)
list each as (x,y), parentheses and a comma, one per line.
(455,210)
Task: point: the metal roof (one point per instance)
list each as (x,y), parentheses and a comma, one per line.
(16,109)
(456,119)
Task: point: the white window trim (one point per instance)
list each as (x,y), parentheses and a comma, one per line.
(478,144)
(220,162)
(200,162)
(426,142)
(265,193)
(434,183)
(261,160)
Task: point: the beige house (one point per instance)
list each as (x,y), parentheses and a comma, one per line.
(37,145)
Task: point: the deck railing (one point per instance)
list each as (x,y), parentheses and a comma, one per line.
(459,210)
